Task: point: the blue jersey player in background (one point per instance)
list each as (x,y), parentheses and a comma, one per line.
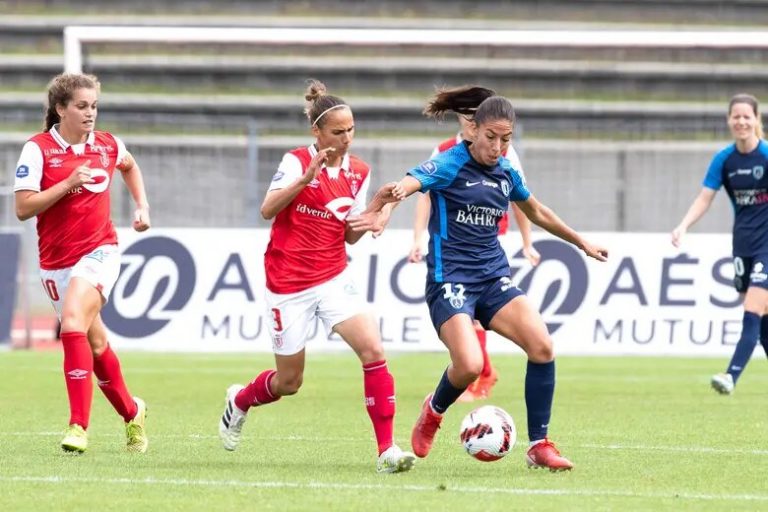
(471,186)
(741,169)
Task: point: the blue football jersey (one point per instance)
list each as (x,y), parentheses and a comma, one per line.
(468,200)
(745,180)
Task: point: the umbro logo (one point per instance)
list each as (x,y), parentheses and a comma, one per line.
(77,374)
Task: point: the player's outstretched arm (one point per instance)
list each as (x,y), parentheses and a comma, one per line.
(542,216)
(697,209)
(524,226)
(134,181)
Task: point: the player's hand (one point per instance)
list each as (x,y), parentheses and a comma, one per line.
(595,251)
(415,255)
(532,255)
(80,176)
(384,216)
(387,194)
(141,220)
(315,165)
(368,221)
(677,235)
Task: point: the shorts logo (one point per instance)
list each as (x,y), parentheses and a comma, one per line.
(506,283)
(758,274)
(157,278)
(758,171)
(22,171)
(277,341)
(428,167)
(455,297)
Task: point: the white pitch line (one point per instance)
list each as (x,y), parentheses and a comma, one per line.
(311,439)
(380,487)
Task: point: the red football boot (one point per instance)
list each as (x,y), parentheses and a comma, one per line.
(545,455)
(424,431)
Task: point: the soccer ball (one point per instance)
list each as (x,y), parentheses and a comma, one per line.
(488,433)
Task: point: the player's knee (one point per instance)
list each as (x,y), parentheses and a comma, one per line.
(372,352)
(289,384)
(541,352)
(468,368)
(72,320)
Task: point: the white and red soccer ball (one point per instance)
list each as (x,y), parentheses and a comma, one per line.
(488,433)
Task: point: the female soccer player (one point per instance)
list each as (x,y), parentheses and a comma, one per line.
(741,169)
(63,178)
(468,274)
(312,195)
(465,100)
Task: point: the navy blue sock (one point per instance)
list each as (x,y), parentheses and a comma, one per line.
(445,394)
(750,331)
(764,333)
(539,390)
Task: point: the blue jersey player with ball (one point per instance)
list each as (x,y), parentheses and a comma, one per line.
(471,186)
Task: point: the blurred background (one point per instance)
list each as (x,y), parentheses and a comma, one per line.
(613,138)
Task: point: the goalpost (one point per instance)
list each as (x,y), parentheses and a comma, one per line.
(75,36)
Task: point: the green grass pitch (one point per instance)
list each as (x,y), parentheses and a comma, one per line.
(644,434)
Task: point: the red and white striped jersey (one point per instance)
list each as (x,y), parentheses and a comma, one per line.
(306,245)
(511,155)
(80,221)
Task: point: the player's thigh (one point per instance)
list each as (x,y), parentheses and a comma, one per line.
(291,318)
(520,322)
(458,335)
(82,303)
(362,334)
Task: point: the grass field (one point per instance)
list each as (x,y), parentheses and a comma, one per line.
(645,434)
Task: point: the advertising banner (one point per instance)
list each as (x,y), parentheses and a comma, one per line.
(202,290)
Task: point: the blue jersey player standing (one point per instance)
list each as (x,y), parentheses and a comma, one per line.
(471,186)
(741,169)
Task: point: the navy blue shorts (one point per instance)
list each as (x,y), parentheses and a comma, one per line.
(750,271)
(480,301)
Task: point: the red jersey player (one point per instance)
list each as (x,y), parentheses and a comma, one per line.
(62,178)
(470,97)
(315,190)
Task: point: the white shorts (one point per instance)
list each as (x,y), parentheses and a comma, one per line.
(293,315)
(100,267)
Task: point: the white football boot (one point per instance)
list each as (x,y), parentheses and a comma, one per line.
(231,422)
(395,460)
(722,383)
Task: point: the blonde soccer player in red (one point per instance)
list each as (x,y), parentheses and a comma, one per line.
(464,101)
(315,191)
(62,178)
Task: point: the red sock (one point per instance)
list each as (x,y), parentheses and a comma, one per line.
(106,367)
(257,392)
(379,389)
(78,367)
(481,337)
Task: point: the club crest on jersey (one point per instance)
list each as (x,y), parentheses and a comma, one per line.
(104,159)
(758,171)
(354,187)
(22,171)
(505,187)
(428,167)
